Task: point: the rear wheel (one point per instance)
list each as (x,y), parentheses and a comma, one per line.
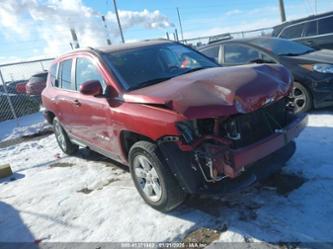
(302,98)
(62,138)
(152,177)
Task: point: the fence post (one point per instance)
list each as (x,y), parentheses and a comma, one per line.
(8,98)
(42,65)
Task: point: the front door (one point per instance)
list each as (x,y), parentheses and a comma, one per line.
(92,112)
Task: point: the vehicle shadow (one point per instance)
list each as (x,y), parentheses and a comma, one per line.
(326,110)
(263,212)
(13,232)
(89,155)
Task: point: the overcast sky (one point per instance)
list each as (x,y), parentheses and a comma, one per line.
(39,28)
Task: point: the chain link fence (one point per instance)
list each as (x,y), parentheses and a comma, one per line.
(19,91)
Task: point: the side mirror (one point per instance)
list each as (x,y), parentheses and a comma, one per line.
(91,87)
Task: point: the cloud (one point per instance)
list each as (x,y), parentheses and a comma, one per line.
(51,20)
(233,12)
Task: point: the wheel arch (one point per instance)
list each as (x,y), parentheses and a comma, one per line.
(128,138)
(49,116)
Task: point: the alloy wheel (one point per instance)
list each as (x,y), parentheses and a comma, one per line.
(59,135)
(147,178)
(300,99)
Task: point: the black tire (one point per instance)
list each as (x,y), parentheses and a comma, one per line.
(303,104)
(172,195)
(65,145)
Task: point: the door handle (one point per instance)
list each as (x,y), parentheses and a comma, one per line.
(77,103)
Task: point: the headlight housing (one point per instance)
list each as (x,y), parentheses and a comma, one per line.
(323,68)
(319,67)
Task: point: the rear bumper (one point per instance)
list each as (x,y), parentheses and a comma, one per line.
(246,156)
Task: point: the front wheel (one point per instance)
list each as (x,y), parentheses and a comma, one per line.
(302,98)
(152,177)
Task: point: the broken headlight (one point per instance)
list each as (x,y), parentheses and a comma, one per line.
(231,129)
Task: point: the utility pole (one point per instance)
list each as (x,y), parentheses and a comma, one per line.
(108,41)
(118,20)
(282,11)
(75,43)
(176,35)
(180,24)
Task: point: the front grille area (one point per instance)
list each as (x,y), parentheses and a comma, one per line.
(246,129)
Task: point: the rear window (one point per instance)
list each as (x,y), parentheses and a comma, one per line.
(325,25)
(38,78)
(53,75)
(65,75)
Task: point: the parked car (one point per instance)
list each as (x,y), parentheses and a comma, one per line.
(312,69)
(315,31)
(182,123)
(21,87)
(15,86)
(36,84)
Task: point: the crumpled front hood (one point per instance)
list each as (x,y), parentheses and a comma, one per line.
(217,91)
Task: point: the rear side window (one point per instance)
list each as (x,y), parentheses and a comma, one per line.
(86,70)
(239,54)
(212,52)
(293,31)
(38,78)
(53,75)
(310,28)
(325,25)
(65,75)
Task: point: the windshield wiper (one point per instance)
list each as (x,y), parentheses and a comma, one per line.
(150,82)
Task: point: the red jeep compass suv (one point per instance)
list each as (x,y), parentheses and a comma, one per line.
(182,123)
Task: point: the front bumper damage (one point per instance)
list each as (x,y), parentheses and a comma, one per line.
(218,168)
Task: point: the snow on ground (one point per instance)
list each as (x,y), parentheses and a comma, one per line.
(25,126)
(87,198)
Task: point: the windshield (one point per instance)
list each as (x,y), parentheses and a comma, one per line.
(143,66)
(282,46)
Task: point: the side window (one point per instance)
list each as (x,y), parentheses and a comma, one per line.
(310,28)
(65,75)
(53,75)
(325,25)
(212,52)
(293,31)
(239,54)
(86,70)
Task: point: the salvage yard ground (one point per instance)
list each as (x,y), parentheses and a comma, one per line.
(58,198)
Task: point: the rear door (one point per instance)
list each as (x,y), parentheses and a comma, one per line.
(325,33)
(65,98)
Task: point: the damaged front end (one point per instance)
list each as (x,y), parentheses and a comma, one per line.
(218,150)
